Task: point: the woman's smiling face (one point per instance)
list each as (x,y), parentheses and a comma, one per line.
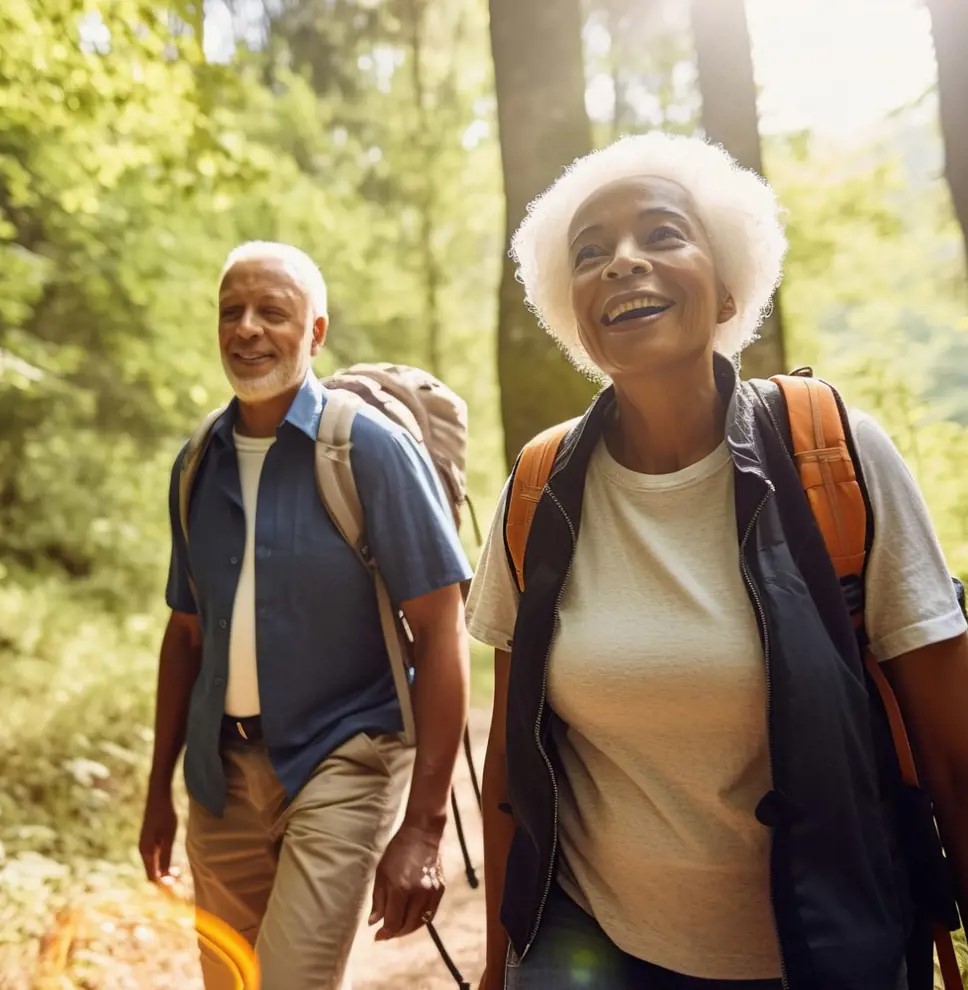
(643,281)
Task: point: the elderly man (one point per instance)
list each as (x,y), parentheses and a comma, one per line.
(273,669)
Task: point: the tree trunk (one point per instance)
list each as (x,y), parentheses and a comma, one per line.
(729,118)
(540,84)
(949,26)
(427,196)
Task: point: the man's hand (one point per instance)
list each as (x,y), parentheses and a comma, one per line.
(158,835)
(409,883)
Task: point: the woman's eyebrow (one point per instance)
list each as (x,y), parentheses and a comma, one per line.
(665,211)
(585,230)
(649,211)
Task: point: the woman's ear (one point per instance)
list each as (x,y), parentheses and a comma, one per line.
(727,308)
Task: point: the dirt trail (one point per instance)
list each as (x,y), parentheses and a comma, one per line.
(413,963)
(134,938)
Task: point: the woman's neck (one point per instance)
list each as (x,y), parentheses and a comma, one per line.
(665,422)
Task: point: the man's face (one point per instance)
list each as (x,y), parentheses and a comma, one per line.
(267,331)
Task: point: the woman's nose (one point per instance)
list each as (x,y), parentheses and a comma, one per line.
(627,260)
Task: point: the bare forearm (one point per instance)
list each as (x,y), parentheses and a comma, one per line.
(951,805)
(498,833)
(440,699)
(931,684)
(178,667)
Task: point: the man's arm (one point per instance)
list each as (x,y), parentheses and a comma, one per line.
(409,883)
(931,684)
(181,657)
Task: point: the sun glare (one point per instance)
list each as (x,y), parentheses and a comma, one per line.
(838,65)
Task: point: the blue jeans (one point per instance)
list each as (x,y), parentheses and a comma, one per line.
(573,953)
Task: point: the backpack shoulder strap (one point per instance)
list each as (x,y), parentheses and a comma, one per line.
(334,472)
(191,461)
(527,484)
(821,448)
(819,445)
(824,460)
(341,499)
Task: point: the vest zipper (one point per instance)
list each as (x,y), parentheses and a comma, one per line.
(761,618)
(537,726)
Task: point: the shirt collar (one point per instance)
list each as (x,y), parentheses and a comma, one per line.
(304,412)
(307,406)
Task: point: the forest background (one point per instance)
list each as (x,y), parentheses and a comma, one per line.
(396,141)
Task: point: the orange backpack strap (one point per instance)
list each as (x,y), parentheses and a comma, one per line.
(826,467)
(530,476)
(820,448)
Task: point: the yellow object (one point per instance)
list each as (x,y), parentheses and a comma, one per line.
(230,948)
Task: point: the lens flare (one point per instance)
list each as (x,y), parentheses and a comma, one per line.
(230,948)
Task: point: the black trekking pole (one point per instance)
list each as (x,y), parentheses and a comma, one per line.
(448,962)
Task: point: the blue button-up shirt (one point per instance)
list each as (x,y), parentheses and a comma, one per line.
(323,670)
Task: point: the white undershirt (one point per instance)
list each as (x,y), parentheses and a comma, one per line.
(657,672)
(242,691)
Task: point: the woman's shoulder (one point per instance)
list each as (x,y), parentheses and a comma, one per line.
(876,450)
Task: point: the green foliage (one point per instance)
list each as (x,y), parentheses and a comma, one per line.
(874,299)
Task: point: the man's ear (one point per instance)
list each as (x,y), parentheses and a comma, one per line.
(320,326)
(727,308)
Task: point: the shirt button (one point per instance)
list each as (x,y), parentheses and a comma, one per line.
(219,682)
(222,623)
(262,552)
(233,560)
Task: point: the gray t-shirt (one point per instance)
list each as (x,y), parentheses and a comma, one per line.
(657,671)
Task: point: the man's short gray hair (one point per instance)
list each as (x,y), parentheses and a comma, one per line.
(305,271)
(736,207)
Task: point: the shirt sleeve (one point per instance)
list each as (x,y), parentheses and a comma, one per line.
(492,605)
(408,522)
(910,598)
(178,593)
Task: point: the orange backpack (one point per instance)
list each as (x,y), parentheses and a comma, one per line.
(820,449)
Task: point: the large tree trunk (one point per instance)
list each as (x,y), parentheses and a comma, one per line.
(729,118)
(426,199)
(949,26)
(540,83)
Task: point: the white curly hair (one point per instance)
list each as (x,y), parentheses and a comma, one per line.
(302,268)
(736,207)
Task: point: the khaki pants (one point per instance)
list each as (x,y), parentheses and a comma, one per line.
(295,878)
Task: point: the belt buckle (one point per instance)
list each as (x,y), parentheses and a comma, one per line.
(241,729)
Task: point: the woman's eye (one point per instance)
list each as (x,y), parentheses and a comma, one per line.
(586,253)
(665,233)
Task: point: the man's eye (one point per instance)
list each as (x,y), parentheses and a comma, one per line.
(665,233)
(588,252)
(231,313)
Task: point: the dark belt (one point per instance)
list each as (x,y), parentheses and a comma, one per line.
(242,730)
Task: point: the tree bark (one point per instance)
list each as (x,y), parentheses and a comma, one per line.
(949,27)
(726,84)
(427,196)
(540,84)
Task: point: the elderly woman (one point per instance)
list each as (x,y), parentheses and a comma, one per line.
(682,784)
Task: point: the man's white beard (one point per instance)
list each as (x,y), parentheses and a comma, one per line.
(275,381)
